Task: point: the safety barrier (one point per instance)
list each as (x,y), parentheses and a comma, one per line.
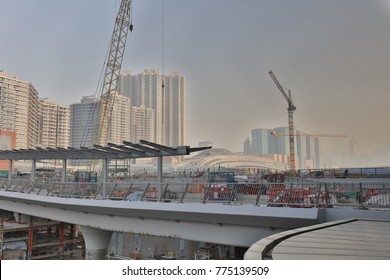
(301,194)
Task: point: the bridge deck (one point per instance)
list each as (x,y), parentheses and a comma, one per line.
(352,239)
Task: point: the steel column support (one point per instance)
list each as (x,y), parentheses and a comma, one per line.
(30,239)
(159,176)
(33,170)
(64,171)
(105,176)
(10,170)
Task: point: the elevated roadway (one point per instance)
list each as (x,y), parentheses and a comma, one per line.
(214,221)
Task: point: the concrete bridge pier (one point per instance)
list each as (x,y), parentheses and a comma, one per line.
(96,242)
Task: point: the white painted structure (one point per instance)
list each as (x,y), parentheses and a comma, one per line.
(240,225)
(215,223)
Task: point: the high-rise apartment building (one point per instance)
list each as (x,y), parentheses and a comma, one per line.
(19,110)
(142,124)
(174,101)
(308,148)
(262,142)
(119,129)
(165,95)
(84,121)
(54,124)
(83,118)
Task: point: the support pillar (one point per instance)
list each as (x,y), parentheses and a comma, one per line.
(96,242)
(33,170)
(64,173)
(61,239)
(30,239)
(105,176)
(159,176)
(10,170)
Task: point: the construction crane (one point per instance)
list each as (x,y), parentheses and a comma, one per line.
(290,109)
(123,23)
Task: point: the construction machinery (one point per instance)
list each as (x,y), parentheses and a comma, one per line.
(123,23)
(290,109)
(312,134)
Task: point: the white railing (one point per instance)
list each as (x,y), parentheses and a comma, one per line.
(298,194)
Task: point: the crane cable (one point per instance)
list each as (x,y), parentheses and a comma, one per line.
(163,46)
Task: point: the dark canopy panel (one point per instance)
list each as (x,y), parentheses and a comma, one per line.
(126,150)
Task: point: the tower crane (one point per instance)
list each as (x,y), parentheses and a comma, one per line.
(123,23)
(290,109)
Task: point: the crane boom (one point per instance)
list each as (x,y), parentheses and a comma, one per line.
(123,23)
(291,108)
(300,133)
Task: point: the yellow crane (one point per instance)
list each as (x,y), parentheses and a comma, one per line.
(290,109)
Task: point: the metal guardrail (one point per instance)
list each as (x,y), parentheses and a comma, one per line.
(297,194)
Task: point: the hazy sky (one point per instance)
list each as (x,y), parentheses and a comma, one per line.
(334,56)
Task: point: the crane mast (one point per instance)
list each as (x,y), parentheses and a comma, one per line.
(290,110)
(123,23)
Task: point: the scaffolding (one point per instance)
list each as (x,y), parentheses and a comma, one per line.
(43,239)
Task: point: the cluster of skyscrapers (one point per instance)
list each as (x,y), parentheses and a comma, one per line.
(148,106)
(274,144)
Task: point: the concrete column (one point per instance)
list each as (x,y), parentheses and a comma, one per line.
(64,173)
(33,170)
(105,176)
(96,242)
(159,175)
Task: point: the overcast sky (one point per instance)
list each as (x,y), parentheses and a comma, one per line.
(333,55)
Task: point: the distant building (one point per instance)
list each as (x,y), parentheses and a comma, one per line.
(83,118)
(84,121)
(19,110)
(174,109)
(142,124)
(54,124)
(247,147)
(262,141)
(145,89)
(274,144)
(165,95)
(120,125)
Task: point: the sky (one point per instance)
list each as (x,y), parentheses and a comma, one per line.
(333,55)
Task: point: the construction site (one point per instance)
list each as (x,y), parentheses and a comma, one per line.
(35,238)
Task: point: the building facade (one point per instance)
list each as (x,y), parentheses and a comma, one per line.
(142,124)
(84,121)
(83,118)
(19,110)
(54,124)
(165,95)
(274,143)
(174,109)
(120,122)
(262,142)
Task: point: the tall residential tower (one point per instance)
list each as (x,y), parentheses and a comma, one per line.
(54,124)
(19,110)
(165,96)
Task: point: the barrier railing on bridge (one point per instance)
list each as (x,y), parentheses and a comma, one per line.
(297,194)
